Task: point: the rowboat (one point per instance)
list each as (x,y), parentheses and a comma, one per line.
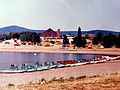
(30,67)
(52,66)
(60,66)
(77,64)
(44,68)
(31,70)
(12,71)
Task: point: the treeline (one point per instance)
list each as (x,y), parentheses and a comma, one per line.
(108,40)
(23,36)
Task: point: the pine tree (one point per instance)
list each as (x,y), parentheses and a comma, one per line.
(79,38)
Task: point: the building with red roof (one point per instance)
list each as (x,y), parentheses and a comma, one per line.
(49,33)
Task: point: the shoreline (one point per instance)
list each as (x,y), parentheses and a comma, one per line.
(88,70)
(72,51)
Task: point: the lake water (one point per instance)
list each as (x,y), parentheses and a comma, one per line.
(7,58)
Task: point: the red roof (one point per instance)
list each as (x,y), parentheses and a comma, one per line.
(49,33)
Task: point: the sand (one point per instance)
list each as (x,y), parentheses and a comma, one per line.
(101,82)
(93,69)
(57,49)
(89,70)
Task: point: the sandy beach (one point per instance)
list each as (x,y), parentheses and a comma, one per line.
(57,49)
(89,70)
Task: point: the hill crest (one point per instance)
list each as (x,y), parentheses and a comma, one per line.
(14,28)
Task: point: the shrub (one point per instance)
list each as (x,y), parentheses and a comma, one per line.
(42,80)
(54,79)
(81,77)
(61,79)
(71,78)
(94,76)
(10,84)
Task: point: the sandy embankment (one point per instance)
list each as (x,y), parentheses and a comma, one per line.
(56,49)
(89,70)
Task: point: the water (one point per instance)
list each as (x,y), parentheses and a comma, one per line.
(7,58)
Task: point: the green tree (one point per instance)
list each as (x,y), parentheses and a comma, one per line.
(98,38)
(78,40)
(30,36)
(65,39)
(109,40)
(3,37)
(13,35)
(117,43)
(83,42)
(95,40)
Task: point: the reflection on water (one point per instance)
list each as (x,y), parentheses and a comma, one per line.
(7,58)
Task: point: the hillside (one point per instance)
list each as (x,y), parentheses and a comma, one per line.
(90,32)
(8,29)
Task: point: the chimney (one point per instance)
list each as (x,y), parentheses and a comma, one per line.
(58,33)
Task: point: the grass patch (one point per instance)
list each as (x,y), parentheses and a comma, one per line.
(71,78)
(81,77)
(54,79)
(10,84)
(94,76)
(61,79)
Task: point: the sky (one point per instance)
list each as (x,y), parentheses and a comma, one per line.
(63,14)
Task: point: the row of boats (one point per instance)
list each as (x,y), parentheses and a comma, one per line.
(30,67)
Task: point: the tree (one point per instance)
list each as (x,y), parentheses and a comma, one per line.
(30,36)
(95,40)
(16,35)
(109,40)
(3,37)
(83,42)
(98,38)
(13,35)
(78,40)
(65,39)
(117,43)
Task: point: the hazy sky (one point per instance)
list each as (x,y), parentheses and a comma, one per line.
(63,14)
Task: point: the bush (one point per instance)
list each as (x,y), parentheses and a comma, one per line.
(81,77)
(52,42)
(54,79)
(93,76)
(71,78)
(10,84)
(61,79)
(43,80)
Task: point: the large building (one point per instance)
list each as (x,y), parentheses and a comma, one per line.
(51,35)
